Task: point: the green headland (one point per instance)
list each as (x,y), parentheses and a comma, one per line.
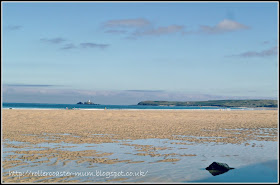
(217,103)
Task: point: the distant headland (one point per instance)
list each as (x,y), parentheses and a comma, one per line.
(87,103)
(216,103)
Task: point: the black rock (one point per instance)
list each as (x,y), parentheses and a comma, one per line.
(217,168)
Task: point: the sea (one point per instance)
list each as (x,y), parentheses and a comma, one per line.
(84,106)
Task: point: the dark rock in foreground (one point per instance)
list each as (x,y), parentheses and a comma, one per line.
(217,168)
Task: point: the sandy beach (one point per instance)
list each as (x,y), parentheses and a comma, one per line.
(35,128)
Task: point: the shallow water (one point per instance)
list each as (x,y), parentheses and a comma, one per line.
(248,161)
(260,172)
(102,107)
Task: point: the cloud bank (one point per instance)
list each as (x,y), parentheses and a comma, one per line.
(136,28)
(139,27)
(38,94)
(29,85)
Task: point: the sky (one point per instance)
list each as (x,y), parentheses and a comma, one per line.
(122,53)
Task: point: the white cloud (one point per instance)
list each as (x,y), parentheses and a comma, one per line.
(222,27)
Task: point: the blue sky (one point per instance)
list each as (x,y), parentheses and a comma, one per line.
(123,53)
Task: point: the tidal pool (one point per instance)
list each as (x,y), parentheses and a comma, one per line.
(144,160)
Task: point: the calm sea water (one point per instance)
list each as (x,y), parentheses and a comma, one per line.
(81,106)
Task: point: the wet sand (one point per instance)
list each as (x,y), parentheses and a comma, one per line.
(188,127)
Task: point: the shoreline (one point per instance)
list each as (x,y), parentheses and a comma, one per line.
(135,109)
(222,109)
(102,109)
(42,106)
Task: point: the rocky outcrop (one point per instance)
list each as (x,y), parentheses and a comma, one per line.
(217,168)
(87,103)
